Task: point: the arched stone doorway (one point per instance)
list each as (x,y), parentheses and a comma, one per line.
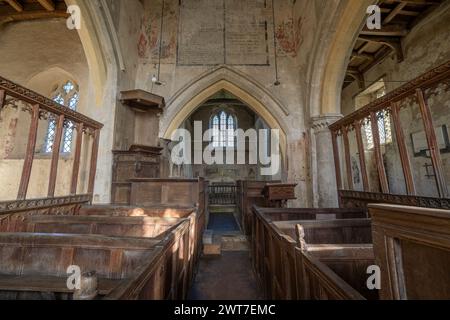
(191,97)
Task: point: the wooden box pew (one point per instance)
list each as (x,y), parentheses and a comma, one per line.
(332,257)
(103,225)
(412,249)
(34,266)
(134,211)
(265,236)
(197,221)
(287,214)
(285,273)
(249,193)
(290,214)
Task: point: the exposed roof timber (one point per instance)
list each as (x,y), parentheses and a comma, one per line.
(357,75)
(394,12)
(419,2)
(49,5)
(393,42)
(393,30)
(40,9)
(366,56)
(402,12)
(16,5)
(33,15)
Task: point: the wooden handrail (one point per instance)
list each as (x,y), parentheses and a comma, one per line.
(19,92)
(422,82)
(390,102)
(42,107)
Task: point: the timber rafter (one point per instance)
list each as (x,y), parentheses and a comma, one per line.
(399,17)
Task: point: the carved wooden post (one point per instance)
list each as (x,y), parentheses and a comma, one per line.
(348,163)
(2,99)
(76,160)
(406,162)
(337,163)
(29,155)
(94,156)
(378,156)
(432,144)
(55,156)
(362,158)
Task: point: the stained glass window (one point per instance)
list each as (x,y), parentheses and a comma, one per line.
(66,95)
(223,126)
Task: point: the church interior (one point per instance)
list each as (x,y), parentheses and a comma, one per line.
(224,150)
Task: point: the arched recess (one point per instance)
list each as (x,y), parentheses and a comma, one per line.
(332,54)
(198,91)
(98,45)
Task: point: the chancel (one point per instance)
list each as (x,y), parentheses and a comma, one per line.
(224,150)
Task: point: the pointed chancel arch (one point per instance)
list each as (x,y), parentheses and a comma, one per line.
(187,100)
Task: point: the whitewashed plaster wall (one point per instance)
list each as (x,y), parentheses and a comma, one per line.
(426,46)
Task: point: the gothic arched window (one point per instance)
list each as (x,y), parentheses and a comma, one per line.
(223,126)
(66,95)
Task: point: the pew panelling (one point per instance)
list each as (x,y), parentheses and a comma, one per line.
(128,268)
(109,226)
(412,249)
(329,263)
(250,193)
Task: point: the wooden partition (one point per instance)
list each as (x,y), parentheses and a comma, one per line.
(41,107)
(14,213)
(249,193)
(416,92)
(412,248)
(312,259)
(137,267)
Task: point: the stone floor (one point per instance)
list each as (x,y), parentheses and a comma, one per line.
(228,276)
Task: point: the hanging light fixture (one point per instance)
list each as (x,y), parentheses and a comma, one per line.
(156,78)
(277,80)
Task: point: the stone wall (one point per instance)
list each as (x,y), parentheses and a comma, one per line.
(426,46)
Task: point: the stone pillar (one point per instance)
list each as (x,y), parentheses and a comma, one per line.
(323,169)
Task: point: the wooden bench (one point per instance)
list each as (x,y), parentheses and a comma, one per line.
(109,226)
(127,268)
(293,267)
(332,257)
(133,211)
(42,257)
(412,248)
(274,242)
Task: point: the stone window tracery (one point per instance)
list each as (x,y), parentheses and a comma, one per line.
(67,95)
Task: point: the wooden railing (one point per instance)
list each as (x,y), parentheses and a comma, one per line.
(222,194)
(390,104)
(41,107)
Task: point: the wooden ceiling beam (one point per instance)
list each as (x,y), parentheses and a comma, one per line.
(49,5)
(393,42)
(362,55)
(392,30)
(419,2)
(33,15)
(394,12)
(15,4)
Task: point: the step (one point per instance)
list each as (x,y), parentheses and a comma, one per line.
(222,208)
(212,243)
(235,243)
